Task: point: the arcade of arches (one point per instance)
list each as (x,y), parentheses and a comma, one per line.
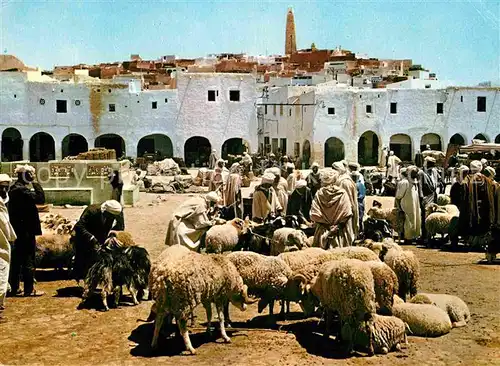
(111,141)
(368,147)
(401,145)
(12,145)
(155,143)
(74,144)
(197,151)
(457,139)
(482,137)
(497,139)
(42,147)
(334,151)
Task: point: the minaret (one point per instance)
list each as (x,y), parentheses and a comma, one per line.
(290,42)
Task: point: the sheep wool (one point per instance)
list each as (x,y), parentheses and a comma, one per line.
(443,199)
(438,223)
(195,279)
(284,237)
(455,307)
(53,251)
(424,320)
(361,253)
(224,238)
(385,285)
(299,259)
(405,265)
(388,334)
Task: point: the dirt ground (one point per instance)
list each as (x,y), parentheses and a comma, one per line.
(50,329)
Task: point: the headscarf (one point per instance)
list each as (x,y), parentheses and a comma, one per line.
(5,178)
(490,172)
(484,162)
(329,178)
(339,167)
(290,165)
(275,171)
(113,207)
(24,168)
(212,197)
(461,172)
(234,168)
(314,164)
(268,178)
(404,171)
(476,167)
(300,183)
(354,166)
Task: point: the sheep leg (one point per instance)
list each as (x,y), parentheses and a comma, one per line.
(208,309)
(327,323)
(104,296)
(182,323)
(133,292)
(271,307)
(288,307)
(226,314)
(117,291)
(158,324)
(220,313)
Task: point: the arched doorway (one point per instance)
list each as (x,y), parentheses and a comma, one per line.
(431,139)
(306,154)
(457,139)
(497,139)
(368,145)
(401,145)
(234,146)
(334,151)
(42,147)
(12,145)
(156,143)
(480,136)
(111,141)
(197,151)
(74,144)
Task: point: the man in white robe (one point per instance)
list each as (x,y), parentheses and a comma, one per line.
(191,220)
(407,200)
(7,236)
(393,165)
(344,181)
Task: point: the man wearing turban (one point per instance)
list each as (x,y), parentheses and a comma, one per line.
(265,200)
(26,222)
(345,182)
(92,230)
(300,201)
(314,179)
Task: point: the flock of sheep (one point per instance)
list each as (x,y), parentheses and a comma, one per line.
(372,288)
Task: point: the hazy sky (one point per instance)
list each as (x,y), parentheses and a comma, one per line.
(460,41)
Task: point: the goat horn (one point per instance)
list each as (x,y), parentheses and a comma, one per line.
(300,277)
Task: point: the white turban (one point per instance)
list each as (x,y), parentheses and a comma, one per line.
(476,166)
(5,178)
(112,206)
(275,171)
(300,183)
(489,169)
(314,164)
(484,161)
(212,197)
(354,166)
(234,168)
(329,177)
(431,159)
(339,167)
(268,178)
(290,165)
(403,171)
(24,168)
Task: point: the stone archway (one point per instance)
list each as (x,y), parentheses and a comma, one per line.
(73,144)
(42,147)
(368,149)
(432,139)
(111,141)
(197,151)
(481,136)
(401,145)
(497,139)
(233,146)
(457,139)
(155,143)
(334,151)
(306,154)
(12,145)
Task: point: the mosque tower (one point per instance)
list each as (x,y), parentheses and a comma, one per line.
(290,42)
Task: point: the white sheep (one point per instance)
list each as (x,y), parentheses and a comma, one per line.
(380,248)
(388,334)
(385,285)
(423,319)
(406,266)
(266,277)
(449,209)
(443,199)
(391,215)
(455,307)
(346,286)
(53,251)
(301,258)
(224,238)
(438,223)
(195,279)
(286,237)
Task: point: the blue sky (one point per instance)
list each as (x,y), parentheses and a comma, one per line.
(460,41)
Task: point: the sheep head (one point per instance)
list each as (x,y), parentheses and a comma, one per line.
(240,225)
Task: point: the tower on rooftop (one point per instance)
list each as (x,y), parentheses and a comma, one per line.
(290,41)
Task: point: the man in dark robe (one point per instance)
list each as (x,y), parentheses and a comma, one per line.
(356,177)
(212,160)
(300,201)
(92,230)
(427,191)
(116,182)
(419,159)
(314,179)
(26,223)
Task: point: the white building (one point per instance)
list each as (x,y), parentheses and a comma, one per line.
(325,123)
(43,119)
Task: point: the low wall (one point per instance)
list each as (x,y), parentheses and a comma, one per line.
(75,182)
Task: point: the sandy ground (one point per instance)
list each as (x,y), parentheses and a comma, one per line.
(50,329)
